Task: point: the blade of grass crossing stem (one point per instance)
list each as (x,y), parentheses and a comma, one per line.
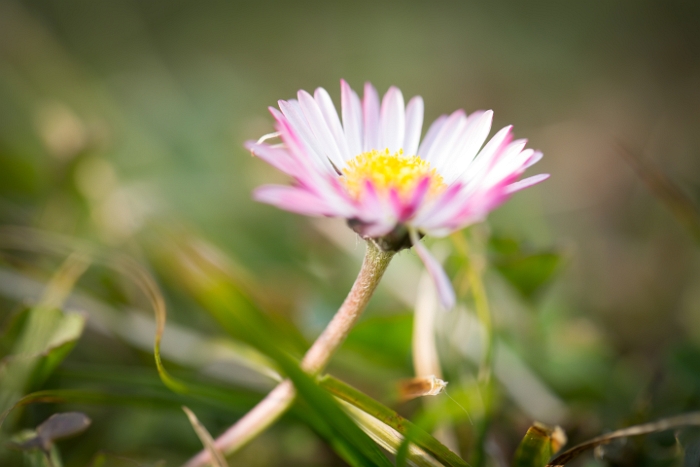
(340,445)
(217,457)
(233,310)
(366,452)
(337,419)
(384,414)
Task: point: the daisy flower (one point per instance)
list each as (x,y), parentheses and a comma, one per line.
(369,166)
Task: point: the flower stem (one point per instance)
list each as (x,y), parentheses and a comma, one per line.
(280,399)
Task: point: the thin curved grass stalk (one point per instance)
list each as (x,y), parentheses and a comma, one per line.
(218,459)
(689,419)
(48,243)
(135,327)
(665,189)
(481,302)
(474,271)
(317,357)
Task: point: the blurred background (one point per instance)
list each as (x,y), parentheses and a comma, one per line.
(122,125)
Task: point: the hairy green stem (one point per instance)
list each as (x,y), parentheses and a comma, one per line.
(281,398)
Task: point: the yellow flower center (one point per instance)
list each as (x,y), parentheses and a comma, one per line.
(386,171)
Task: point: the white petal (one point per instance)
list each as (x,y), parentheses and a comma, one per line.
(331,116)
(430,136)
(294,200)
(533,160)
(526,182)
(293,114)
(510,162)
(414,125)
(352,118)
(375,212)
(320,129)
(370,111)
(393,120)
(314,176)
(279,158)
(441,209)
(481,163)
(473,136)
(445,140)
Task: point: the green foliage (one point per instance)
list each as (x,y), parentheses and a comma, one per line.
(230,306)
(122,126)
(529,272)
(383,339)
(46,338)
(537,447)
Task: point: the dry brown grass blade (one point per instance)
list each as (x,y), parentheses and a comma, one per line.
(689,419)
(680,205)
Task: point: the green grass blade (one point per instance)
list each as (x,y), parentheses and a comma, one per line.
(341,424)
(392,419)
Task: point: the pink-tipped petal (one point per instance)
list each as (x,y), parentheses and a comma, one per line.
(473,137)
(296,124)
(352,118)
(534,159)
(294,200)
(320,129)
(393,121)
(278,158)
(509,160)
(414,125)
(377,210)
(395,202)
(526,182)
(370,112)
(437,274)
(445,140)
(299,150)
(331,116)
(443,203)
(416,200)
(375,229)
(486,157)
(430,136)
